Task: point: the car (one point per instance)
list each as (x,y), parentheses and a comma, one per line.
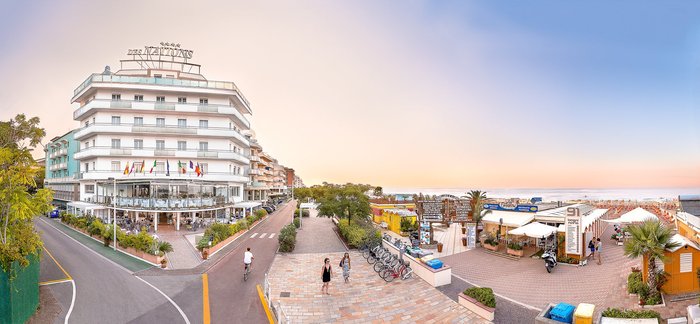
(268,209)
(54,213)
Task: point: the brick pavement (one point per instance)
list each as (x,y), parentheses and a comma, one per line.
(366,299)
(317,235)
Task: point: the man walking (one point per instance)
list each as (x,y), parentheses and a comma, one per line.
(599,247)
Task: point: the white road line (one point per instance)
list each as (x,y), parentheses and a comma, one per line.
(72,302)
(168,298)
(271,235)
(254,235)
(262,235)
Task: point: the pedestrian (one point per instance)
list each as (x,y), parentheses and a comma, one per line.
(326,273)
(591,246)
(345,264)
(599,247)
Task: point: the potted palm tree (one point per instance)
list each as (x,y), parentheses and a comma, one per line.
(650,240)
(162,248)
(477,198)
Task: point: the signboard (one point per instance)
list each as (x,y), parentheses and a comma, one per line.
(462,210)
(425,233)
(518,208)
(471,235)
(165,49)
(432,211)
(573,231)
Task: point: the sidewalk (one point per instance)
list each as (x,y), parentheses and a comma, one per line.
(184,256)
(317,235)
(120,258)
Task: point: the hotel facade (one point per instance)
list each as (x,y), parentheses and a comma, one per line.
(161,136)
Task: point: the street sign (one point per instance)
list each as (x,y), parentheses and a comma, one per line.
(573,231)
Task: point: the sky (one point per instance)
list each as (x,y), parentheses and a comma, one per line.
(436,94)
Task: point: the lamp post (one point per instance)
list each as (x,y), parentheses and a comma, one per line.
(114,210)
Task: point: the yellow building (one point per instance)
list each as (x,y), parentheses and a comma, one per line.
(392,218)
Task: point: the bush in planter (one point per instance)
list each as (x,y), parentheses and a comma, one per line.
(483,295)
(96,228)
(219,232)
(287,238)
(203,243)
(490,240)
(260,213)
(406,224)
(515,246)
(297,223)
(653,299)
(164,247)
(634,281)
(304,212)
(630,313)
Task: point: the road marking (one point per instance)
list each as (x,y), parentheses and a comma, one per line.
(271,235)
(58,264)
(254,235)
(52,282)
(205,299)
(72,300)
(264,304)
(168,298)
(262,235)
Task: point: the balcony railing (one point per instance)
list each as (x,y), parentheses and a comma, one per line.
(159,152)
(159,129)
(160,106)
(162,175)
(101,78)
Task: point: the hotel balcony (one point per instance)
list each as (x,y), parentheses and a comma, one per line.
(58,153)
(60,180)
(162,175)
(186,108)
(124,128)
(98,80)
(97,151)
(255,172)
(58,166)
(254,158)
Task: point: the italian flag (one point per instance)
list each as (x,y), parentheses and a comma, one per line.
(154,165)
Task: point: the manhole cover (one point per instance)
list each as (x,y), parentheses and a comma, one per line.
(285,294)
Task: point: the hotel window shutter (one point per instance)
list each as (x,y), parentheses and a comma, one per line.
(686,262)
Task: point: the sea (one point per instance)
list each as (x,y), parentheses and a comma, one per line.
(647,194)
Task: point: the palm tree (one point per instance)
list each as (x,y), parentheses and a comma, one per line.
(477,199)
(650,239)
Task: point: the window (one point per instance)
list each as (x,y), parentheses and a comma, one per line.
(87,144)
(87,123)
(229,125)
(87,167)
(138,121)
(182,100)
(116,143)
(157,76)
(181,145)
(203,101)
(116,96)
(160,99)
(93,165)
(160,122)
(116,166)
(93,142)
(138,97)
(89,189)
(116,120)
(182,123)
(138,144)
(160,145)
(203,124)
(686,262)
(204,146)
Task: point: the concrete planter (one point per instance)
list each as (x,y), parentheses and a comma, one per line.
(476,307)
(491,247)
(614,320)
(518,253)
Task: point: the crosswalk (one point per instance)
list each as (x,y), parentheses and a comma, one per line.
(262,235)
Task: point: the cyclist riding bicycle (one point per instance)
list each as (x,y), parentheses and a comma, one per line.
(247,259)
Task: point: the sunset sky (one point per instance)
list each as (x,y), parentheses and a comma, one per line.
(536,94)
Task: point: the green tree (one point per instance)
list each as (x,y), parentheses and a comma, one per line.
(345,201)
(18,174)
(378,191)
(477,198)
(650,239)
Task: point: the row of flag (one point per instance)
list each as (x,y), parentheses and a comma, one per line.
(181,168)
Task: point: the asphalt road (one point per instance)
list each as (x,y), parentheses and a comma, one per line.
(233,300)
(104,292)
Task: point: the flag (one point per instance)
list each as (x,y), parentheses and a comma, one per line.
(143,165)
(191,165)
(167,170)
(196,170)
(126,170)
(180,167)
(132,167)
(201,171)
(154,165)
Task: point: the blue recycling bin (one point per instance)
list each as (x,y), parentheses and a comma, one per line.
(562,312)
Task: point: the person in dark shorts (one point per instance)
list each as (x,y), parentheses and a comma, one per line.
(326,273)
(591,246)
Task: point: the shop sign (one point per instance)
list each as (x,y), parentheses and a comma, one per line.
(471,235)
(573,231)
(165,49)
(462,209)
(432,211)
(518,208)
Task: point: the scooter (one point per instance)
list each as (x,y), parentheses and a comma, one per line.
(550,260)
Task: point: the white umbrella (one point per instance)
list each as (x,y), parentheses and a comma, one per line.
(534,230)
(637,215)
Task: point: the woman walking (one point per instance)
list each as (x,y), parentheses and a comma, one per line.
(345,263)
(326,273)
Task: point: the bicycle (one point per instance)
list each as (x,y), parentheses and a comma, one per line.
(403,271)
(246,272)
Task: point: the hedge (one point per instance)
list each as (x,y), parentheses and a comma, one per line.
(482,295)
(630,313)
(357,234)
(287,238)
(634,281)
(304,213)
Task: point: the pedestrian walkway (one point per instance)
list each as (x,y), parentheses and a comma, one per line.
(367,298)
(131,263)
(184,256)
(317,235)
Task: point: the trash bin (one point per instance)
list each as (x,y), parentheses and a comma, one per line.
(562,312)
(584,314)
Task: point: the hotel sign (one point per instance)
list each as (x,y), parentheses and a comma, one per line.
(431,211)
(165,49)
(518,208)
(573,231)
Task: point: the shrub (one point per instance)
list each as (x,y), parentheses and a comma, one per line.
(490,240)
(634,280)
(203,243)
(287,238)
(219,232)
(630,313)
(164,247)
(96,228)
(297,223)
(482,295)
(304,213)
(653,299)
(515,246)
(406,224)
(260,213)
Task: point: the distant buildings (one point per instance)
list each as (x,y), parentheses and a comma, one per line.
(61,169)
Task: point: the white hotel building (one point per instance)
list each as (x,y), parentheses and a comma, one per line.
(158,109)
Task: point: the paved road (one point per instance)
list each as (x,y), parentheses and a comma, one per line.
(104,293)
(231,299)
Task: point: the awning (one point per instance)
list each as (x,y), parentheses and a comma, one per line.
(308,206)
(637,215)
(85,205)
(247,204)
(535,230)
(510,219)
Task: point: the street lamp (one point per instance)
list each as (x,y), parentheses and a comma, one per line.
(114,210)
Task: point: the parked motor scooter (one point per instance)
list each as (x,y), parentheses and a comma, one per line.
(550,260)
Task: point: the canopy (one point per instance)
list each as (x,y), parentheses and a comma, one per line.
(510,218)
(308,206)
(534,229)
(247,204)
(637,215)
